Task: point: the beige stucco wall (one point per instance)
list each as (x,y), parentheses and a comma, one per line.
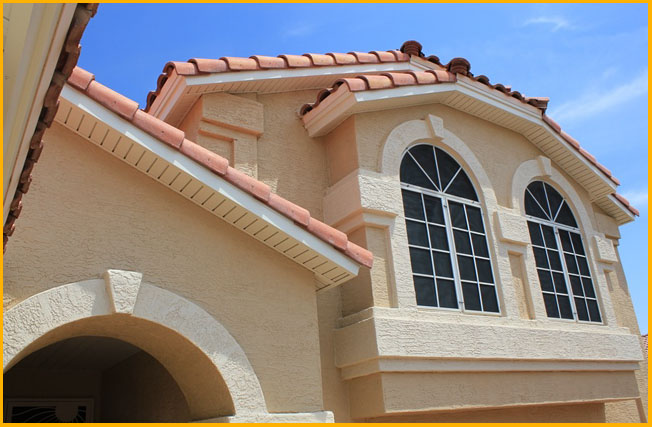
(87,212)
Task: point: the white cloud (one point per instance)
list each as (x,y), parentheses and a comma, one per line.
(299,30)
(557,22)
(596,101)
(637,198)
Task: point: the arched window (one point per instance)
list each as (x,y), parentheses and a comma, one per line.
(554,232)
(451,266)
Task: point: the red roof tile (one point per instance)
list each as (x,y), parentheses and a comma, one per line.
(115,102)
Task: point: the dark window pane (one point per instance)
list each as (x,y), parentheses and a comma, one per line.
(594,311)
(560,283)
(416,232)
(484,270)
(551,305)
(447,294)
(457,215)
(554,199)
(555,261)
(421,262)
(438,238)
(462,243)
(412,174)
(462,187)
(565,216)
(433,209)
(570,263)
(467,268)
(424,287)
(425,156)
(576,285)
(565,307)
(536,188)
(540,257)
(489,299)
(535,233)
(532,208)
(584,267)
(443,264)
(588,287)
(480,245)
(580,306)
(577,243)
(412,205)
(471,296)
(565,241)
(549,237)
(447,167)
(475,218)
(545,279)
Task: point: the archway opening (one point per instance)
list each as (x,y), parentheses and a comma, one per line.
(92,379)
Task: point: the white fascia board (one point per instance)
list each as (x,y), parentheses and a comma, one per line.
(208,178)
(617,202)
(167,99)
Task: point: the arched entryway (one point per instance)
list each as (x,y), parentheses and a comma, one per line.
(147,328)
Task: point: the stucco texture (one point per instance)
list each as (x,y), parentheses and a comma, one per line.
(89,212)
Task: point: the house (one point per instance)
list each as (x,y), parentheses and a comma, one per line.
(342,237)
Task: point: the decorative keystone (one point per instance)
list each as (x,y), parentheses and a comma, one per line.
(545,166)
(122,288)
(605,249)
(412,47)
(512,228)
(459,66)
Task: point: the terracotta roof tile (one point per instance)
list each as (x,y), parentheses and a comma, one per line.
(297,61)
(269,62)
(122,105)
(319,60)
(365,58)
(176,138)
(625,202)
(209,65)
(240,64)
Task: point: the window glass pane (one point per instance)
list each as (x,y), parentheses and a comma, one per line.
(565,216)
(584,267)
(421,262)
(555,261)
(560,283)
(484,270)
(443,264)
(549,237)
(535,233)
(480,245)
(412,205)
(462,187)
(540,258)
(458,218)
(580,306)
(425,156)
(489,299)
(570,263)
(438,238)
(588,287)
(447,167)
(417,233)
(433,209)
(471,296)
(554,199)
(565,241)
(594,312)
(536,188)
(532,208)
(551,305)
(412,174)
(576,285)
(577,243)
(462,243)
(424,288)
(475,218)
(447,294)
(545,279)
(565,307)
(467,269)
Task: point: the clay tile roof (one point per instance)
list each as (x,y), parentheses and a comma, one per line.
(196,66)
(84,82)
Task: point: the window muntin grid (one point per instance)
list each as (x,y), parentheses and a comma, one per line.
(559,256)
(450,258)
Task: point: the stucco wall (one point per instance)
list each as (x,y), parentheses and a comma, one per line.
(87,212)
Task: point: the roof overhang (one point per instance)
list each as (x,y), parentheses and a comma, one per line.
(481,101)
(180,92)
(105,129)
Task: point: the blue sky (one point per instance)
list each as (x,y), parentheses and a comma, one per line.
(589,59)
